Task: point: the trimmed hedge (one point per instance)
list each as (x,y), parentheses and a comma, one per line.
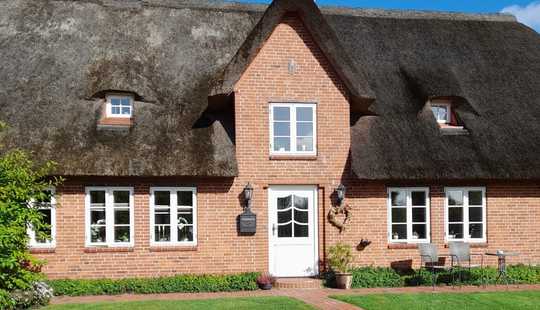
(176,284)
(366,277)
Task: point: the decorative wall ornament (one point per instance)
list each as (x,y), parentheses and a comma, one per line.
(340,209)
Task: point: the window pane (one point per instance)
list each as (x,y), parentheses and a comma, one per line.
(185,198)
(301,230)
(300,202)
(304,129)
(282,129)
(419,214)
(121,197)
(185,233)
(126,110)
(98,234)
(162,198)
(301,216)
(399,198)
(419,231)
(399,231)
(284,203)
(440,112)
(185,218)
(455,214)
(45,232)
(121,234)
(399,215)
(304,144)
(281,114)
(162,217)
(475,214)
(282,144)
(455,231)
(475,198)
(115,110)
(97,216)
(304,114)
(455,198)
(121,216)
(418,198)
(284,216)
(285,231)
(115,102)
(126,102)
(162,233)
(97,197)
(475,231)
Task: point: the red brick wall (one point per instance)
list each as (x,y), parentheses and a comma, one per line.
(513,211)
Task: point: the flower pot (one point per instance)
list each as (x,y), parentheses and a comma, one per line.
(344,280)
(265,286)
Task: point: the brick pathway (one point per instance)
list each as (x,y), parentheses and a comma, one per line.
(316,297)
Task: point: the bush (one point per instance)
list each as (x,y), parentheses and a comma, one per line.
(340,257)
(176,284)
(6,301)
(39,295)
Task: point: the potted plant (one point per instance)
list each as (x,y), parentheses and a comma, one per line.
(265,281)
(339,259)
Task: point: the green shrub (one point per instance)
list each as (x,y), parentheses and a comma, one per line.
(376,277)
(181,283)
(340,257)
(6,301)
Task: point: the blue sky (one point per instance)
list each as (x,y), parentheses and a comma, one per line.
(527,11)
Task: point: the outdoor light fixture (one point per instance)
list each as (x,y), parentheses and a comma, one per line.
(248,219)
(340,192)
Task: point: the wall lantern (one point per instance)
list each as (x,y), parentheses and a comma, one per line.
(340,193)
(248,220)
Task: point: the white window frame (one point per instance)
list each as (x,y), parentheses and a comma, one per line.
(32,234)
(292,106)
(119,96)
(173,215)
(465,191)
(109,216)
(409,207)
(443,104)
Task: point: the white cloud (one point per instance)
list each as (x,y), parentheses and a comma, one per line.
(528,15)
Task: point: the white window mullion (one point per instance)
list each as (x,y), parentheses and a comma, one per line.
(409,215)
(466,223)
(293,128)
(174,216)
(109,217)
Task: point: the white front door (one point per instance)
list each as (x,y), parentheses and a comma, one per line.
(292,219)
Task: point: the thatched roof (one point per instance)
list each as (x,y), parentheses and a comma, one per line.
(57,57)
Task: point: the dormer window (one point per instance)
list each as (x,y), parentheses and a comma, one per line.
(119,106)
(442,112)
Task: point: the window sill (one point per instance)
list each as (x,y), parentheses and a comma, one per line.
(293,157)
(402,246)
(98,249)
(453,130)
(173,248)
(44,250)
(478,245)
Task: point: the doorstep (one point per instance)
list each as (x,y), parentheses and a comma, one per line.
(299,283)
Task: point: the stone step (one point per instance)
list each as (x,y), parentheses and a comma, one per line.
(303,283)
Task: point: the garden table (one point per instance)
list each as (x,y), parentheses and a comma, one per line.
(501,260)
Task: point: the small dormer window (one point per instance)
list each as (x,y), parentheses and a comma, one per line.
(442,112)
(119,106)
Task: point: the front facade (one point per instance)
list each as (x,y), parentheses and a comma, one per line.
(298,124)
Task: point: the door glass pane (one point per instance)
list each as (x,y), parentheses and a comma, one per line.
(419,231)
(282,144)
(162,233)
(284,216)
(475,231)
(455,231)
(418,198)
(121,234)
(304,114)
(475,198)
(97,197)
(399,231)
(304,144)
(285,231)
(301,216)
(455,198)
(398,198)
(419,214)
(281,114)
(97,234)
(475,214)
(399,215)
(185,233)
(300,202)
(121,197)
(304,129)
(282,129)
(185,198)
(284,203)
(455,214)
(301,231)
(121,216)
(162,198)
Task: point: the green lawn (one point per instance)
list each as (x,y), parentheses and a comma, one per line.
(224,303)
(446,301)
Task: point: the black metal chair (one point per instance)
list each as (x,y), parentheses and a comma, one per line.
(460,253)
(429,260)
